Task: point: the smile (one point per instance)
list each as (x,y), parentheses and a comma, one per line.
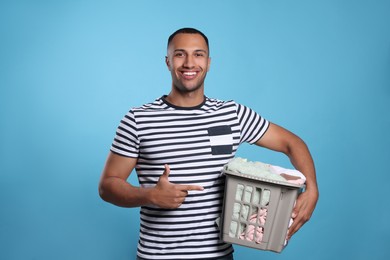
(189,74)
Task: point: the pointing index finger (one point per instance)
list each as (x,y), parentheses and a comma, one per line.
(191,187)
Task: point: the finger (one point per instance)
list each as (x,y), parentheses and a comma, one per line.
(296,209)
(296,220)
(191,187)
(294,228)
(167,170)
(294,213)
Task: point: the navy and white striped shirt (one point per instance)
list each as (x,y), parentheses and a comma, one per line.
(196,142)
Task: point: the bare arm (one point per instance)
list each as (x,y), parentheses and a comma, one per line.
(114,188)
(281,140)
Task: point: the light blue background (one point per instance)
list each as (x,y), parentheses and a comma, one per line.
(69,70)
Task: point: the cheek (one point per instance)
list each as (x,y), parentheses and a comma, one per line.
(207,66)
(171,65)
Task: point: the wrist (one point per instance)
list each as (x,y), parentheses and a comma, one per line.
(148,195)
(312,190)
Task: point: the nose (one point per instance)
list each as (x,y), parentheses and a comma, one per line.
(189,62)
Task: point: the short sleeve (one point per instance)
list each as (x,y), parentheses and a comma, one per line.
(252,125)
(126,141)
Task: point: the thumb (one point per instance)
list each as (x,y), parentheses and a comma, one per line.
(166,171)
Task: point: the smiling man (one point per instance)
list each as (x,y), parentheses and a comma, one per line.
(178,145)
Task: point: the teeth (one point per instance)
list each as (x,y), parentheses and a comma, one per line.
(189,73)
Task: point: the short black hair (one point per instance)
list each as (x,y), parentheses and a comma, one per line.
(191,31)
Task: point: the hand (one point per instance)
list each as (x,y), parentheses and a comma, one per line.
(302,211)
(168,195)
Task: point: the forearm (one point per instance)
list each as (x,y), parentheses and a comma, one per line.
(301,158)
(121,193)
(282,140)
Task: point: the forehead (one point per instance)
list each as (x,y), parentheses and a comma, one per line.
(188,41)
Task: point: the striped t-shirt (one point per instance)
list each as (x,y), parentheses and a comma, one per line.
(196,143)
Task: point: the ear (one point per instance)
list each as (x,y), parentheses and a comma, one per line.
(208,64)
(167,63)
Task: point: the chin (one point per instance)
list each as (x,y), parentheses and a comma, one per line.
(187,89)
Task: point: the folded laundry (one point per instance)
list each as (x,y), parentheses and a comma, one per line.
(266,171)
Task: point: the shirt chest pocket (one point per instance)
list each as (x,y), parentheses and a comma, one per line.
(221,139)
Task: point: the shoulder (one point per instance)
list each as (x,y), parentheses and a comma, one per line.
(156,105)
(217,103)
(134,113)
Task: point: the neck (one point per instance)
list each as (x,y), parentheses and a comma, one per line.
(186,99)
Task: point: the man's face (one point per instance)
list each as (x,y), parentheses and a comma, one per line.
(188,61)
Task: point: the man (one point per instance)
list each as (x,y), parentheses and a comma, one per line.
(178,145)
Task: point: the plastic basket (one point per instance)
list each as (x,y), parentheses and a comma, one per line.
(257,211)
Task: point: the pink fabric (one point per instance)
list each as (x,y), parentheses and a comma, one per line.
(249,233)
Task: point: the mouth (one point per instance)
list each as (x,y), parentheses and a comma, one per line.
(189,74)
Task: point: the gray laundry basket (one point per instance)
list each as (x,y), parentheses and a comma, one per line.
(257,211)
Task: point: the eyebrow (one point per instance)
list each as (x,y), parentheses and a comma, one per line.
(199,50)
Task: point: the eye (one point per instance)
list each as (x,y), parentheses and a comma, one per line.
(179,54)
(199,54)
